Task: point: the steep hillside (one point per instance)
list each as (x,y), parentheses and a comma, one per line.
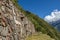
(42,26)
(18,24)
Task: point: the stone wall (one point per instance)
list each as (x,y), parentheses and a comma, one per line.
(13,24)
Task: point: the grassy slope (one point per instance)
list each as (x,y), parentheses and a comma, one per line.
(39,36)
(40,24)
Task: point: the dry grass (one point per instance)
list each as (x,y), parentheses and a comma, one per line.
(39,36)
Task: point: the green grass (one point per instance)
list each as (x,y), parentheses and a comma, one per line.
(42,26)
(39,36)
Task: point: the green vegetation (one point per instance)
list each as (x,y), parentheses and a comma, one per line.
(40,25)
(18,6)
(39,36)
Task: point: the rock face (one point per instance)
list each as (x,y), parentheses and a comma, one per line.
(13,24)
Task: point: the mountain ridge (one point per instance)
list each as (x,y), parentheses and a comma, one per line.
(41,25)
(19,23)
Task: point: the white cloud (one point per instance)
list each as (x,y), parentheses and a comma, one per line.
(55,15)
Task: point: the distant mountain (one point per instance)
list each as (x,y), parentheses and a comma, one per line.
(54,19)
(56,24)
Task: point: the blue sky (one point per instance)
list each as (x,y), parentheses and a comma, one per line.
(40,7)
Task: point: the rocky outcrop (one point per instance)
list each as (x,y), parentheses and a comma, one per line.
(13,24)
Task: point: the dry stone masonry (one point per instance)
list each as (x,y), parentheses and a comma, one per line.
(13,24)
